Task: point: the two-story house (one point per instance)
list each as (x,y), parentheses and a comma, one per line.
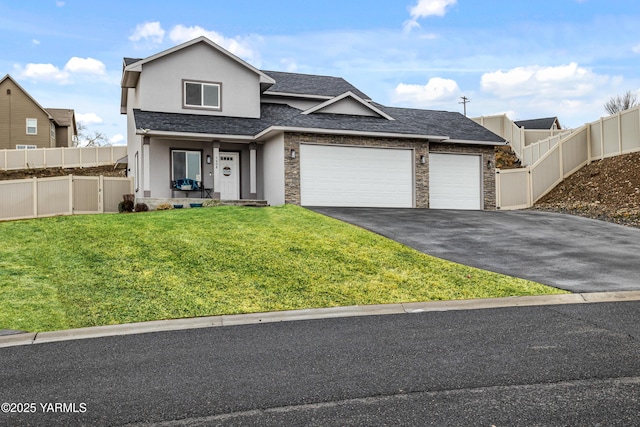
(24,123)
(198,112)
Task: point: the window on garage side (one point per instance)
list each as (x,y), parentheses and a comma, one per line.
(202,95)
(186,164)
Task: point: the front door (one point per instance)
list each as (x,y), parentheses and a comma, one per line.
(229,176)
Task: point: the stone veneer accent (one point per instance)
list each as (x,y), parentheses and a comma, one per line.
(420,148)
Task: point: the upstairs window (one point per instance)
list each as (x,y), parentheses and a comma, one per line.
(32,126)
(202,95)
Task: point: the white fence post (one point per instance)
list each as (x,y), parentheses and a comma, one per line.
(35,197)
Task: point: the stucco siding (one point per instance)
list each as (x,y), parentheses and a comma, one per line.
(274,160)
(161,83)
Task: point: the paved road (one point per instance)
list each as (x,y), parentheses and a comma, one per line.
(546,365)
(568,252)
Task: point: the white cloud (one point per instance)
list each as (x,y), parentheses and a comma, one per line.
(117,139)
(436,90)
(51,73)
(85,66)
(636,49)
(45,72)
(181,34)
(88,118)
(569,80)
(151,31)
(35,42)
(426,8)
(60,3)
(289,64)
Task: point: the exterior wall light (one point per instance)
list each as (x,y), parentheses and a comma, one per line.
(423,159)
(489,164)
(208,159)
(293,153)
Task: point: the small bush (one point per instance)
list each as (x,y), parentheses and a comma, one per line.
(210,203)
(164,206)
(125,206)
(141,207)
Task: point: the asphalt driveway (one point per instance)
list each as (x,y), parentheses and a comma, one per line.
(568,252)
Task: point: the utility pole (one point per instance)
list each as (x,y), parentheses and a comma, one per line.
(464,101)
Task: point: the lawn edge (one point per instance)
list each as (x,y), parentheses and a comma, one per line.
(314,314)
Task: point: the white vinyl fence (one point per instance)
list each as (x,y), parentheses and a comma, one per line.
(65,195)
(554,159)
(63,157)
(519,138)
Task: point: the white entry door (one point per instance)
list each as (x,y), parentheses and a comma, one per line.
(229,176)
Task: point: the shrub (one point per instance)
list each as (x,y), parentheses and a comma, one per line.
(141,207)
(125,206)
(164,206)
(210,203)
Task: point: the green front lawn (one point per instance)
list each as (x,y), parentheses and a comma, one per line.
(70,272)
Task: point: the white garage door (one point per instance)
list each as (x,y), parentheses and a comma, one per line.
(454,181)
(355,176)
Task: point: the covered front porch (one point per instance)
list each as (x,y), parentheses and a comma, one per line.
(192,169)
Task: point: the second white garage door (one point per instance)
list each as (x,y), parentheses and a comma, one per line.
(333,175)
(454,181)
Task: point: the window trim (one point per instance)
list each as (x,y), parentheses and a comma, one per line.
(202,83)
(35,127)
(184,150)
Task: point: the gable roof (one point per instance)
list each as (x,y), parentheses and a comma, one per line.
(132,67)
(345,98)
(310,85)
(64,117)
(544,123)
(8,77)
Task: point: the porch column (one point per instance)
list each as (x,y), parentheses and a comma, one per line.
(253,172)
(146,168)
(216,170)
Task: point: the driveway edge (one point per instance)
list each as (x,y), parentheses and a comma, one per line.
(312,314)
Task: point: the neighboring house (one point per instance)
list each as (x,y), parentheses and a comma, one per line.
(198,112)
(24,123)
(547,123)
(66,127)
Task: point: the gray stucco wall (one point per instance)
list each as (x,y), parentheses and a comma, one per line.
(161,82)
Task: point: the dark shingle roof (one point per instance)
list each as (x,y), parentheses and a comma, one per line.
(219,125)
(309,84)
(129,61)
(407,121)
(544,123)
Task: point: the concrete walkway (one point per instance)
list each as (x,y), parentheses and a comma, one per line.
(564,251)
(16,339)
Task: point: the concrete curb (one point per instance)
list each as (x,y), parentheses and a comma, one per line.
(311,314)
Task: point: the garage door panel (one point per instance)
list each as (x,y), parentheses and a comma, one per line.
(355,176)
(454,181)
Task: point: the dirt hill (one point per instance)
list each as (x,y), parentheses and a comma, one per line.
(608,190)
(50,172)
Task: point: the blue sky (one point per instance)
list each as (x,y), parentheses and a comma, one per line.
(528,59)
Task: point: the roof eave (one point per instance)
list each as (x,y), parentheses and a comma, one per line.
(277,129)
(194,135)
(474,142)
